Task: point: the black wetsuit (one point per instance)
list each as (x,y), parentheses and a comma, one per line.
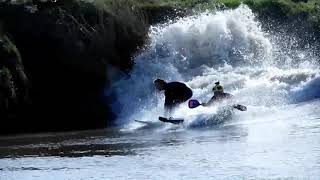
(176,93)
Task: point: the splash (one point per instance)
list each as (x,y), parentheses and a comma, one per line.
(227,46)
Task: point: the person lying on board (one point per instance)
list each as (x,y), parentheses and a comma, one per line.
(219,95)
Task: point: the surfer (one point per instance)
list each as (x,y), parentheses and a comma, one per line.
(219,96)
(175,93)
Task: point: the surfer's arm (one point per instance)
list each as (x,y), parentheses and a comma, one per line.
(204,104)
(210,102)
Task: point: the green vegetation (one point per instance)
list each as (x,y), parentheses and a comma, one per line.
(275,8)
(284,7)
(288,7)
(66,48)
(309,10)
(11,48)
(292,6)
(5,72)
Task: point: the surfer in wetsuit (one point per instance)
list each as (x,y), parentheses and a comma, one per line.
(219,95)
(175,93)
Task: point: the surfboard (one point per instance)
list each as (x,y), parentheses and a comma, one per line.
(143,122)
(240,107)
(171,120)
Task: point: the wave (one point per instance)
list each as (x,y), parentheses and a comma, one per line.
(307,91)
(227,46)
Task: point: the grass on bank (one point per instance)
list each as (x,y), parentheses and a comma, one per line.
(289,7)
(277,8)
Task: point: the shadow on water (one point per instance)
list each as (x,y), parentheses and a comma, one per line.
(109,142)
(75,144)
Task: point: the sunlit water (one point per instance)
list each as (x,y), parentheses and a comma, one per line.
(278,137)
(272,146)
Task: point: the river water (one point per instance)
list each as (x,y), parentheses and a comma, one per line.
(278,137)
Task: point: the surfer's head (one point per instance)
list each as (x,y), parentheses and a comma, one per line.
(159,84)
(217,89)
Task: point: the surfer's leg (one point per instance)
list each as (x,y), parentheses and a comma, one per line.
(168,110)
(171,109)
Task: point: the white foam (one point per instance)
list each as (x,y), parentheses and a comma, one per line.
(227,46)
